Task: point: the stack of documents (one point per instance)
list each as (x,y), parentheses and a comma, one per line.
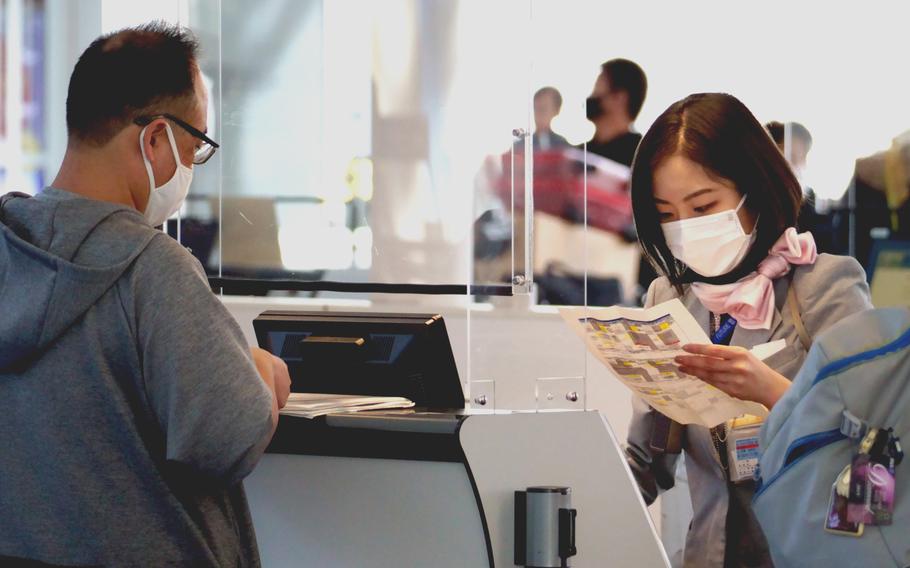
(639,345)
(311,405)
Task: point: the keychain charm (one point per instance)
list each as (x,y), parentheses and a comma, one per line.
(836,520)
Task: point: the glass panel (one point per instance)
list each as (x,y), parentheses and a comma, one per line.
(196,226)
(271,160)
(401,147)
(352,146)
(501,330)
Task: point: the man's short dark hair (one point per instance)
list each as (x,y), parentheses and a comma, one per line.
(552,92)
(797,130)
(129,73)
(627,76)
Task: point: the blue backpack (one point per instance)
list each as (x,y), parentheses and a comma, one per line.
(856,377)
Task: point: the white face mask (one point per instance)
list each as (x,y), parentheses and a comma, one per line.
(711,245)
(165,200)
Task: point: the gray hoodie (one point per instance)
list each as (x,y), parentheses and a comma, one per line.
(130,409)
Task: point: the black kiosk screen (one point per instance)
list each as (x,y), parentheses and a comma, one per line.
(376,354)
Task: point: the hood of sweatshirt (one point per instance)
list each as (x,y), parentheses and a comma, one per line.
(59,253)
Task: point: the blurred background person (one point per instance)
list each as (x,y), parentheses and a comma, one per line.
(618,95)
(796,152)
(800,143)
(547,104)
(877,197)
(573,191)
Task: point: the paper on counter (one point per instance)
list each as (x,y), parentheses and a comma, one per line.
(638,345)
(311,405)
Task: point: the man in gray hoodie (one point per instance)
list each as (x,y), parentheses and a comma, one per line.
(130,405)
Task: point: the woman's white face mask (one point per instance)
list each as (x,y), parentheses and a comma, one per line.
(166,199)
(711,245)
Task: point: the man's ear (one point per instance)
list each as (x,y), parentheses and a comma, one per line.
(622,98)
(153,138)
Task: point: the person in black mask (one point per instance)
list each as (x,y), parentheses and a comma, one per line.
(618,95)
(613,106)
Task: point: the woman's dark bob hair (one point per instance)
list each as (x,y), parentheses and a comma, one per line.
(716,131)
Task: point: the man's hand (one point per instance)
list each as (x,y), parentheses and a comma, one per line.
(282,380)
(274,373)
(734,370)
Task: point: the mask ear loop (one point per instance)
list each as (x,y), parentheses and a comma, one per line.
(148,165)
(755,226)
(741,201)
(170,137)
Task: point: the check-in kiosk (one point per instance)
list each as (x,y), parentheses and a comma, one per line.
(432,486)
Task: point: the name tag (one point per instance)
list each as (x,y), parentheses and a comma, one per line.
(742,447)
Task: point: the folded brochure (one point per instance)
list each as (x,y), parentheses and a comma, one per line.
(639,346)
(311,405)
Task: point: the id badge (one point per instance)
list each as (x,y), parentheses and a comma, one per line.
(742,447)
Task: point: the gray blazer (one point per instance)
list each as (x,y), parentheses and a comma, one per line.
(826,292)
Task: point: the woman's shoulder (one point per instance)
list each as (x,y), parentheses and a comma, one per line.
(827,271)
(830,290)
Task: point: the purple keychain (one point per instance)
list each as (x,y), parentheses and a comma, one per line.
(871,496)
(859,499)
(880,477)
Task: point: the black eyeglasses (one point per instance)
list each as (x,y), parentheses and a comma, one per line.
(203,153)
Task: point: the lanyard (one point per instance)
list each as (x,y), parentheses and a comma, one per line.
(723,333)
(721,336)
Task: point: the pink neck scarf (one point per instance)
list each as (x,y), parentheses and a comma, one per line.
(750,300)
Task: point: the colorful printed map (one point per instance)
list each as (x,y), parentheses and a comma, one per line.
(639,346)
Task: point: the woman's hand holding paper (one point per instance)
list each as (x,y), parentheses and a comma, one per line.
(734,370)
